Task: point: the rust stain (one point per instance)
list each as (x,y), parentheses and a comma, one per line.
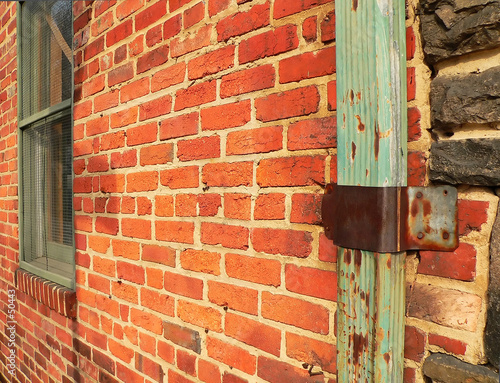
(427,207)
(376,143)
(354,5)
(414,208)
(347,257)
(361,126)
(353,153)
(357,258)
(359,344)
(351,97)
(387,357)
(358,95)
(389,260)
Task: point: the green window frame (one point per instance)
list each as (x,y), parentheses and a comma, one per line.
(45,127)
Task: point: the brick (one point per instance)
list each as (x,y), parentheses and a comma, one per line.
(155,108)
(471,215)
(134,90)
(142,134)
(291,171)
(310,29)
(186,362)
(127,7)
(269,206)
(243,22)
(104,265)
(154,278)
(306,208)
(313,134)
(410,43)
(121,74)
(142,181)
(232,356)
(107,225)
(171,231)
(208,372)
(156,154)
(106,101)
(153,59)
(292,243)
(459,264)
(307,65)
(194,15)
(312,352)
(248,80)
(252,269)
(182,336)
(209,204)
(164,205)
(112,183)
(154,36)
(181,126)
(98,164)
(230,378)
(93,49)
(176,4)
(120,32)
(146,320)
(228,174)
(121,53)
(150,15)
(136,46)
(187,177)
(216,6)
(211,63)
(416,168)
(172,26)
(453,346)
(411,85)
(328,27)
(198,148)
(414,130)
(226,116)
(414,343)
(195,41)
(121,352)
(233,297)
(201,261)
(183,285)
(237,206)
(130,272)
(276,371)
(158,302)
(97,126)
(327,250)
(201,316)
(126,249)
(112,141)
(125,159)
(124,117)
(149,368)
(169,76)
(284,8)
(292,103)
(233,237)
(125,374)
(124,291)
(185,205)
(136,228)
(295,312)
(409,375)
(271,43)
(311,282)
(195,95)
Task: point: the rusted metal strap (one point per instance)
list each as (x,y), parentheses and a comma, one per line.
(391,219)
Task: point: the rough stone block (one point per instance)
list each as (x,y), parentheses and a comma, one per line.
(492,332)
(447,369)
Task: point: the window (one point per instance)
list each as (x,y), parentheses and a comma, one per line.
(45,33)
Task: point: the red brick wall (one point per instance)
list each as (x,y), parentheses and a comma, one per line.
(203,133)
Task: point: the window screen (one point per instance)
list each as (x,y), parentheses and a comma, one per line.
(45,63)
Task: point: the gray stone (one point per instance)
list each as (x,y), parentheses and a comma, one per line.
(492,333)
(443,368)
(470,162)
(472,98)
(455,27)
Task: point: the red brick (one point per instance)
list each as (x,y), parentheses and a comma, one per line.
(291,171)
(178,178)
(186,362)
(82,20)
(313,134)
(410,43)
(270,206)
(104,266)
(307,65)
(233,237)
(258,270)
(125,291)
(195,95)
(211,63)
(409,375)
(237,206)
(136,46)
(181,126)
(142,134)
(453,346)
(167,77)
(124,117)
(414,130)
(310,29)
(154,36)
(112,141)
(295,312)
(312,351)
(228,174)
(164,205)
(292,243)
(161,303)
(208,372)
(97,126)
(411,86)
(158,254)
(98,164)
(226,116)
(134,90)
(82,110)
(306,208)
(216,6)
(176,4)
(414,343)
(209,204)
(147,321)
(124,159)
(94,48)
(120,32)
(144,206)
(106,101)
(182,336)
(106,225)
(148,367)
(195,41)
(130,272)
(292,103)
(112,183)
(328,27)
(200,261)
(121,74)
(150,15)
(120,53)
(183,285)
(136,228)
(153,59)
(205,317)
(155,108)
(243,22)
(185,205)
(271,43)
(416,168)
(277,371)
(312,282)
(284,8)
(171,231)
(121,352)
(93,86)
(194,14)
(172,26)
(127,7)
(231,355)
(248,80)
(198,148)
(142,181)
(156,154)
(126,249)
(459,264)
(127,375)
(327,250)
(471,215)
(233,297)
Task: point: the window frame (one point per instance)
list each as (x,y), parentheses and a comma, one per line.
(65,106)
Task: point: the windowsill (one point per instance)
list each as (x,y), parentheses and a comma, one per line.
(57,297)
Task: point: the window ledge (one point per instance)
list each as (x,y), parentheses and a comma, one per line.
(57,297)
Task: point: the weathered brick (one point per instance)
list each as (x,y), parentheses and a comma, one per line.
(124,117)
(328,27)
(127,7)
(230,355)
(198,148)
(292,103)
(471,215)
(178,178)
(226,116)
(195,41)
(270,206)
(248,80)
(156,154)
(459,264)
(313,134)
(307,65)
(271,43)
(273,370)
(158,254)
(198,94)
(414,343)
(120,32)
(208,372)
(154,36)
(327,250)
(121,74)
(142,181)
(211,63)
(202,316)
(243,22)
(194,14)
(155,108)
(281,241)
(200,261)
(171,231)
(312,282)
(182,336)
(183,285)
(284,8)
(453,346)
(142,134)
(185,205)
(291,171)
(125,159)
(106,101)
(237,206)
(158,302)
(216,6)
(153,59)
(209,204)
(306,208)
(136,228)
(181,126)
(228,174)
(310,29)
(312,351)
(234,297)
(233,237)
(414,130)
(172,26)
(169,76)
(150,15)
(130,272)
(252,269)
(134,90)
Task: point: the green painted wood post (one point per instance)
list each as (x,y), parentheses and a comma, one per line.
(372,135)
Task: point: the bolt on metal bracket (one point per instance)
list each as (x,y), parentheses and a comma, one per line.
(391,219)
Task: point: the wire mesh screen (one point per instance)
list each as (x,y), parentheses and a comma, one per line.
(47,190)
(46,54)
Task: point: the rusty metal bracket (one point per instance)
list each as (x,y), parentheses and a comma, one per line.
(391,219)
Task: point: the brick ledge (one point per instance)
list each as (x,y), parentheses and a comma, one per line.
(56,297)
